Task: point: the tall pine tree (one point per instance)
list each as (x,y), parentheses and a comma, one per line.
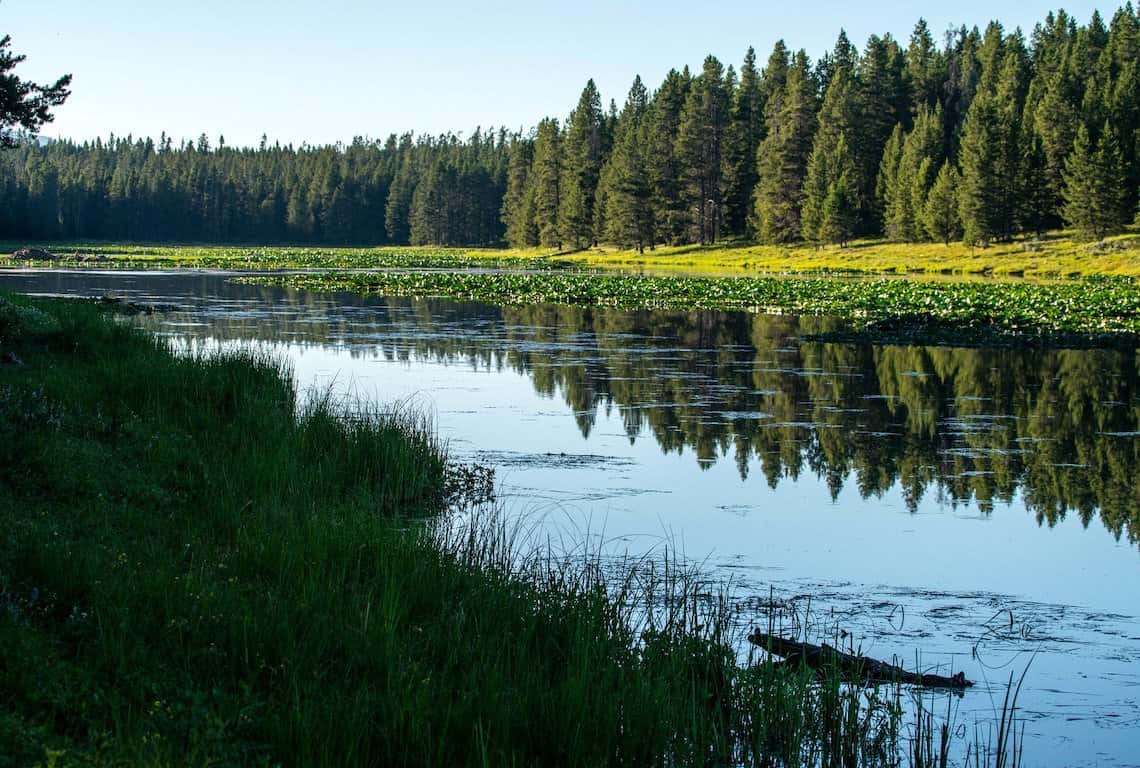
(700,138)
(1094,191)
(518,211)
(742,138)
(783,155)
(546,178)
(627,199)
(940,212)
(664,120)
(836,129)
(907,187)
(581,169)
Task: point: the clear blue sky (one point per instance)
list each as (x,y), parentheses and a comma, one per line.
(327,70)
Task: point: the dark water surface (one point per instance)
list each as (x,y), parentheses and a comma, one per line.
(978,507)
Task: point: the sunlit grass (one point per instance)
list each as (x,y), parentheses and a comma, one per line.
(1058,254)
(1055,255)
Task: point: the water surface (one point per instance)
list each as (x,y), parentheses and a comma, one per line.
(978,507)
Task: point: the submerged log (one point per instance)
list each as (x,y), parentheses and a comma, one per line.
(824,658)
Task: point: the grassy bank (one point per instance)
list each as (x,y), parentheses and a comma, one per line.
(194,571)
(1092,312)
(1056,255)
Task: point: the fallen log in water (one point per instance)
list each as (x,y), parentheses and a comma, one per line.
(824,658)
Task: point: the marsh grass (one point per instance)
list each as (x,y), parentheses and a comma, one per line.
(1058,254)
(195,571)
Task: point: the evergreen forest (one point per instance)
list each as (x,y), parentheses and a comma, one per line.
(978,137)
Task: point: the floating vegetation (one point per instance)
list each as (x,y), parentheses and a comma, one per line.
(1092,312)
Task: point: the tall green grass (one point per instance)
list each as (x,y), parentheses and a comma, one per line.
(195,571)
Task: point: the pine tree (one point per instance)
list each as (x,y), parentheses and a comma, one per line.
(979,200)
(23,104)
(1055,122)
(940,213)
(925,69)
(1094,192)
(664,120)
(1118,75)
(843,55)
(889,166)
(427,215)
(963,72)
(626,195)
(837,119)
(399,201)
(700,138)
(783,155)
(546,177)
(1038,203)
(831,206)
(1011,171)
(518,211)
(742,138)
(581,169)
(907,187)
(773,80)
(884,102)
(840,212)
(990,152)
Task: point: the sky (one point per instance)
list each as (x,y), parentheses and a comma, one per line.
(327,71)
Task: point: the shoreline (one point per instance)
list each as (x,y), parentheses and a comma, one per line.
(195,573)
(1057,255)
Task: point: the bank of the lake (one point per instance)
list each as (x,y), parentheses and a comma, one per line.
(1058,254)
(195,571)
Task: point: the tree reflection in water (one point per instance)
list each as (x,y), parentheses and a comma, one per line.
(976,426)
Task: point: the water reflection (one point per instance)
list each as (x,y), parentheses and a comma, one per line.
(974,426)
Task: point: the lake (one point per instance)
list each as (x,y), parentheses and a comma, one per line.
(978,509)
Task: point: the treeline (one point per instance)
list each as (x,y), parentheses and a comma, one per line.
(441,190)
(979,138)
(982,138)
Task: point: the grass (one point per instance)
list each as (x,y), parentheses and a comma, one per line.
(196,571)
(1055,255)
(1093,312)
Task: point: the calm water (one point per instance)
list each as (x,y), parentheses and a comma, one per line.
(978,507)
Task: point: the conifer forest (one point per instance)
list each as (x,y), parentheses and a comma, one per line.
(976,137)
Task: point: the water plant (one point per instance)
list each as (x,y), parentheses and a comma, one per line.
(1095,311)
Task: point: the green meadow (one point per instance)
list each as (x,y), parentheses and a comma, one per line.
(1061,254)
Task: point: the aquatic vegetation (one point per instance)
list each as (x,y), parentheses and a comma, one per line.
(1100,311)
